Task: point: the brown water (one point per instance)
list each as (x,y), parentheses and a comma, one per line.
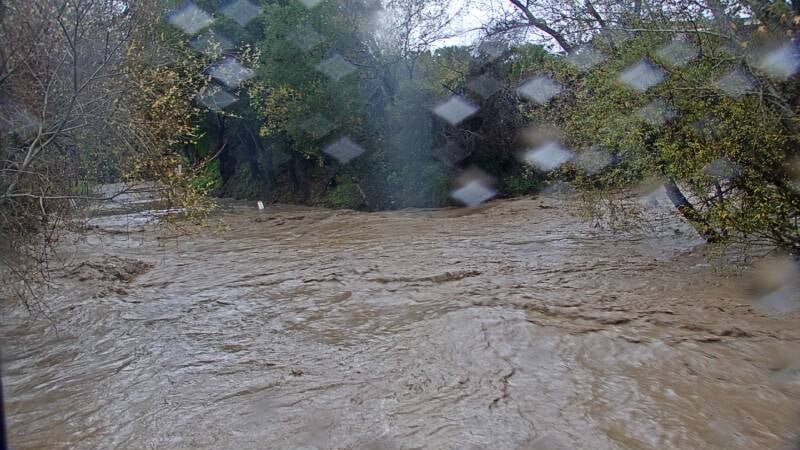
(513,326)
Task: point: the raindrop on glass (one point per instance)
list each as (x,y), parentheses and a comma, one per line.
(306,38)
(336,67)
(614,37)
(775,285)
(559,188)
(642,75)
(242,11)
(343,150)
(721,169)
(473,193)
(310,3)
(18,120)
(656,113)
(540,89)
(585,58)
(547,157)
(708,127)
(317,126)
(190,18)
(677,53)
(485,85)
(211,43)
(592,161)
(491,50)
(654,198)
(280,158)
(735,83)
(450,154)
(454,110)
(781,63)
(230,72)
(215,98)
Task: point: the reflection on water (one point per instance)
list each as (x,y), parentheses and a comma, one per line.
(510,326)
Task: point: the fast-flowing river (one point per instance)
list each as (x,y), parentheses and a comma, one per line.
(511,326)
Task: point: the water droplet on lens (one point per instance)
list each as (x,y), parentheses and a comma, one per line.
(455,110)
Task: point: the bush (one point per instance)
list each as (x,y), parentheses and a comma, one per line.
(520,184)
(344,195)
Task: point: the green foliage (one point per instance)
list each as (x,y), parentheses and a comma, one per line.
(290,90)
(344,195)
(209,178)
(520,184)
(744,136)
(384,107)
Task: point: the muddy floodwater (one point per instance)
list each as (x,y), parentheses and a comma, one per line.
(511,326)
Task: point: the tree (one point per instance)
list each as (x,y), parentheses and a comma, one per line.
(714,121)
(88,96)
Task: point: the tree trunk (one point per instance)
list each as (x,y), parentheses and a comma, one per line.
(227,163)
(688,211)
(298,176)
(542,25)
(267,152)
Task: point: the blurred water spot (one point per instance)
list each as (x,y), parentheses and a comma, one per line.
(189,18)
(336,67)
(305,37)
(343,150)
(642,75)
(775,285)
(473,192)
(721,169)
(16,119)
(726,435)
(551,441)
(735,83)
(585,58)
(651,193)
(793,169)
(382,443)
(491,49)
(211,43)
(540,89)
(316,432)
(455,110)
(310,3)
(614,37)
(592,161)
(787,367)
(559,188)
(652,199)
(451,153)
(781,63)
(707,127)
(280,158)
(230,72)
(317,126)
(656,113)
(215,98)
(677,53)
(548,156)
(541,134)
(242,11)
(485,85)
